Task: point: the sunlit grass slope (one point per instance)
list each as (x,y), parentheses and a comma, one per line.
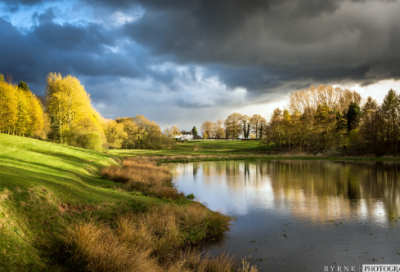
(219,147)
(45,186)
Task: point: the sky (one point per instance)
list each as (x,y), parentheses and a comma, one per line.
(183,62)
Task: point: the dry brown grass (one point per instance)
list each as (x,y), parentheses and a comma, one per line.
(154,241)
(95,248)
(143,175)
(196,261)
(172,224)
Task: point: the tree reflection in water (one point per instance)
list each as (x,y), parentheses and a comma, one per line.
(316,189)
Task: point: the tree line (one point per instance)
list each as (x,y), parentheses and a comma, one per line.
(65,115)
(321,118)
(234,126)
(21,112)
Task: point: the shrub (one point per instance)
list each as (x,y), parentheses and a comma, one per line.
(90,140)
(159,141)
(190,196)
(166,192)
(355,141)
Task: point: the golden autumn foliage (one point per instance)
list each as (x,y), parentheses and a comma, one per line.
(37,116)
(24,120)
(115,134)
(233,125)
(141,133)
(8,107)
(68,117)
(70,110)
(21,112)
(207,128)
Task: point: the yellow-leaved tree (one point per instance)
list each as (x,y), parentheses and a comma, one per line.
(38,128)
(8,107)
(73,120)
(24,120)
(115,134)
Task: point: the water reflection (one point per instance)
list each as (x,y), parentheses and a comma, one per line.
(313,189)
(342,209)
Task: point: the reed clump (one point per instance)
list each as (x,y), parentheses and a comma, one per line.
(143,175)
(158,240)
(93,247)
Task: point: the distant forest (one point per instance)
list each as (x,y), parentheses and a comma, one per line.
(321,118)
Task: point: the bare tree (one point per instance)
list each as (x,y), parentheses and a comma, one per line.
(256,122)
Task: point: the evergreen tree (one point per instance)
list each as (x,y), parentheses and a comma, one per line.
(390,109)
(23,86)
(353,115)
(323,125)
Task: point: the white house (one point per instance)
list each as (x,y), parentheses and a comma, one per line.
(186,135)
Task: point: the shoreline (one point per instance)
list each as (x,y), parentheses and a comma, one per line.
(201,158)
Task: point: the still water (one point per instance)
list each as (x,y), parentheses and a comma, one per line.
(302,215)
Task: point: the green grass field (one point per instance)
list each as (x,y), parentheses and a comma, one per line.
(235,150)
(45,187)
(197,148)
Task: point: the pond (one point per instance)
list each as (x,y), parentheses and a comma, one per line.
(302,215)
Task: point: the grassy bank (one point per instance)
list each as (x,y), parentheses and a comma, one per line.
(57,213)
(193,151)
(199,148)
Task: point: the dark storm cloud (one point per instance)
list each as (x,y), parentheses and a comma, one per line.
(265,47)
(261,44)
(15,5)
(68,49)
(262,78)
(25,2)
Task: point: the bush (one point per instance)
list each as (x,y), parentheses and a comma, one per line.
(355,141)
(190,196)
(90,140)
(159,142)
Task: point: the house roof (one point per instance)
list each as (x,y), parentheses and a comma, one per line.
(187,133)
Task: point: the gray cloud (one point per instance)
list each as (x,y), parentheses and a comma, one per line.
(267,48)
(68,49)
(260,44)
